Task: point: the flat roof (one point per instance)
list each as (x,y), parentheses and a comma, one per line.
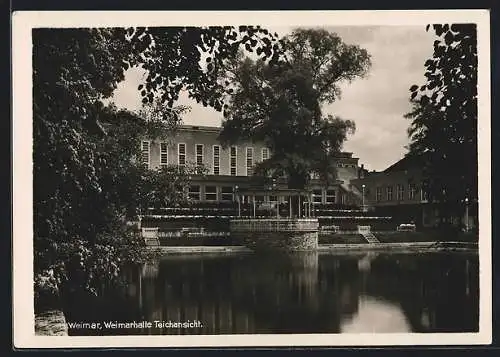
(217,129)
(199,128)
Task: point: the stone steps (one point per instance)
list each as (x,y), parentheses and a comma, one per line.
(370,237)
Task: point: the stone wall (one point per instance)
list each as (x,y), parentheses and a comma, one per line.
(274,234)
(292,241)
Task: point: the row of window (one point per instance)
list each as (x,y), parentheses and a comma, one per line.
(330,196)
(200,156)
(346,165)
(212,193)
(400,193)
(226,193)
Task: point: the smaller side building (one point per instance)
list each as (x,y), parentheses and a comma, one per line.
(397,192)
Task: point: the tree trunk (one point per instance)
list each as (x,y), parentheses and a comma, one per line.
(297,181)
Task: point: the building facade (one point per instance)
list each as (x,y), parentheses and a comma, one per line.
(231,168)
(398,192)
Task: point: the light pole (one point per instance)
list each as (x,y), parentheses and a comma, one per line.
(363,197)
(238,199)
(466,214)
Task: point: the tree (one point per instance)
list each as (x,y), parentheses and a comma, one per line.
(161,121)
(444,118)
(82,150)
(280,104)
(73,69)
(191,58)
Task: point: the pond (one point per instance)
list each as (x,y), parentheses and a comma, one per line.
(298,293)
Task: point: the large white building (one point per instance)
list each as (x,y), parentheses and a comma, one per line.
(230,168)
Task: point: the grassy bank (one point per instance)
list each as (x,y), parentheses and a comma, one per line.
(429,236)
(337,238)
(340,248)
(197,241)
(341,239)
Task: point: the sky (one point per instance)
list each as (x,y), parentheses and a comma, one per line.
(376,103)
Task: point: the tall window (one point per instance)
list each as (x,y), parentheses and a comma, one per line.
(232,159)
(194,193)
(265,154)
(423,195)
(330,196)
(378,194)
(145,153)
(389,193)
(211,193)
(216,159)
(401,192)
(181,154)
(226,193)
(317,196)
(199,154)
(249,161)
(163,154)
(412,191)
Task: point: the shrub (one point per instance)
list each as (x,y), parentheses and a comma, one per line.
(65,267)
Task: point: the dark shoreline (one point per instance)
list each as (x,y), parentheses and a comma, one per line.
(410,247)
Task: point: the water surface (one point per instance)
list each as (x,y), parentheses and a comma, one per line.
(300,293)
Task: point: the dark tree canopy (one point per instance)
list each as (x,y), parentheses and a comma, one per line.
(444,116)
(73,69)
(191,58)
(326,60)
(84,175)
(280,105)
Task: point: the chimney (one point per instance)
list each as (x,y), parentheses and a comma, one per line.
(361,171)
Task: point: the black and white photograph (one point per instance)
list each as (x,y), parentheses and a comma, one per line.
(306,178)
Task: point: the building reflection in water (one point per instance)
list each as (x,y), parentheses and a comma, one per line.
(309,293)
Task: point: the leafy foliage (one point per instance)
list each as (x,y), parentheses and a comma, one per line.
(444,116)
(163,187)
(280,104)
(191,58)
(326,60)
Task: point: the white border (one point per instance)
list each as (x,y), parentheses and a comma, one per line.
(23,312)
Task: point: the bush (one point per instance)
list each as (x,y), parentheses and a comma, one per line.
(79,265)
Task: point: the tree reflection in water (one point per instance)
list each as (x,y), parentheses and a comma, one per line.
(307,293)
(376,316)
